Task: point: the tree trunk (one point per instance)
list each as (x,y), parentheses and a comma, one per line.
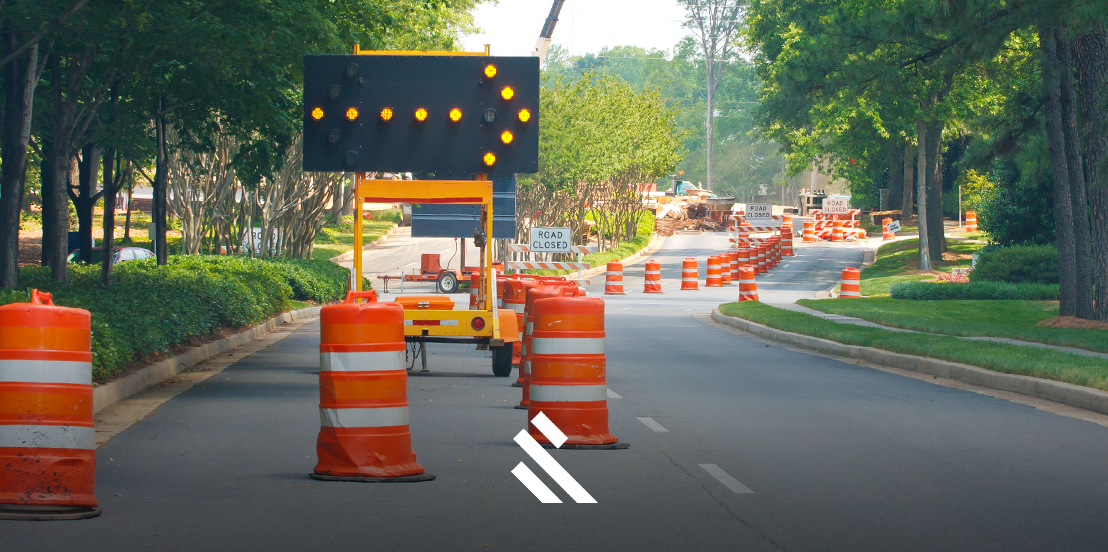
(1091,51)
(20,77)
(1059,169)
(921,192)
(84,200)
(130,205)
(109,217)
(1083,276)
(55,212)
(161,176)
(336,199)
(936,232)
(896,173)
(708,126)
(908,205)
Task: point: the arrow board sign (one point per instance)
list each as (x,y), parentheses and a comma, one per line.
(550,240)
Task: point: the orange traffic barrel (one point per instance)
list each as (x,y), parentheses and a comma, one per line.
(851,285)
(613,281)
(501,282)
(775,243)
(971,221)
(743,256)
(688,274)
(363,394)
(474,289)
(837,231)
(748,288)
(653,277)
(770,253)
(47,437)
(515,299)
(568,380)
(787,239)
(885,233)
(545,290)
(724,268)
(713,279)
(733,261)
(760,267)
(744,234)
(809,231)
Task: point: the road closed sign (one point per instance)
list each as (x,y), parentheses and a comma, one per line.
(550,240)
(759,212)
(836,205)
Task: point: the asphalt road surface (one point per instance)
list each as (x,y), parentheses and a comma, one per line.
(736,444)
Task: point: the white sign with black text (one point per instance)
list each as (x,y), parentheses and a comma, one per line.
(759,212)
(894,226)
(550,240)
(836,205)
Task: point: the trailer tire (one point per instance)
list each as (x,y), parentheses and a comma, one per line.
(448,282)
(502,360)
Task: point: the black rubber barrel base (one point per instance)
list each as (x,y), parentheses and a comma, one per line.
(361,479)
(517,384)
(30,512)
(521,407)
(610,446)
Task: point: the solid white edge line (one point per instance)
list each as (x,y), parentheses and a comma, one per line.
(613,394)
(535,485)
(553,468)
(548,428)
(649,422)
(725,478)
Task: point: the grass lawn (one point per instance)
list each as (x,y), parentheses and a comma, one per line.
(1012,319)
(1001,357)
(896,258)
(336,239)
(294,305)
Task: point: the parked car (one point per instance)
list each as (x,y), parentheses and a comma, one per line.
(119,254)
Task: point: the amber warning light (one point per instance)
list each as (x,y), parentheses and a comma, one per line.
(386,114)
(351,113)
(507,93)
(317,113)
(490,71)
(455,114)
(421,114)
(489,159)
(524,115)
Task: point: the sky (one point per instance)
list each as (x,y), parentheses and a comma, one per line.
(584,26)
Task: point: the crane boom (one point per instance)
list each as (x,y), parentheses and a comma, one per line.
(547,30)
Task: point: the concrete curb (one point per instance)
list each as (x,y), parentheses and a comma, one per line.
(114,391)
(1060,392)
(655,244)
(377,242)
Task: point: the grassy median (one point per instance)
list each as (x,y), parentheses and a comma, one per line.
(1011,319)
(899,262)
(1001,357)
(338,238)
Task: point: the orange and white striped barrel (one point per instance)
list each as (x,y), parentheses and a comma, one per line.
(733,263)
(885,233)
(971,221)
(474,289)
(724,268)
(363,394)
(851,283)
(568,378)
(653,277)
(47,437)
(809,231)
(744,234)
(613,280)
(545,290)
(776,243)
(837,231)
(743,257)
(787,239)
(689,278)
(761,267)
(515,299)
(713,279)
(501,283)
(770,253)
(748,288)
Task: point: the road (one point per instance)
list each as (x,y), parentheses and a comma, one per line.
(837,456)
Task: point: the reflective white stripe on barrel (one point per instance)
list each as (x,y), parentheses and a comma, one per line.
(46,371)
(568,393)
(518,307)
(615,273)
(567,345)
(363,417)
(530,327)
(688,279)
(47,436)
(653,272)
(364,361)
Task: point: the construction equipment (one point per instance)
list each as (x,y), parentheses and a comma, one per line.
(547,30)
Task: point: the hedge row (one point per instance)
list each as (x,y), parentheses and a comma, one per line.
(149,309)
(934,291)
(1017,264)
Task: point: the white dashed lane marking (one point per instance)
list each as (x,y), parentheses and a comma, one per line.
(613,395)
(728,481)
(649,422)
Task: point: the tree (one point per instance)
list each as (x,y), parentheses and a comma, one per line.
(715,24)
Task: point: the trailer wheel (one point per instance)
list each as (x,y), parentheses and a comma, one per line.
(448,282)
(502,360)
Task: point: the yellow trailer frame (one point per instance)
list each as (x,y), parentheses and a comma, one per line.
(446,325)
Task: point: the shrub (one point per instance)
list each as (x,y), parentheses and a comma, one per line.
(149,309)
(935,291)
(1020,264)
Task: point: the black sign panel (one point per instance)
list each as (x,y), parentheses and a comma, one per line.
(448,117)
(445,220)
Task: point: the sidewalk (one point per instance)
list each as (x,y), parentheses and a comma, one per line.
(838,318)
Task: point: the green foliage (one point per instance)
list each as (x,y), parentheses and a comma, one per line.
(975,188)
(936,291)
(151,309)
(1018,265)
